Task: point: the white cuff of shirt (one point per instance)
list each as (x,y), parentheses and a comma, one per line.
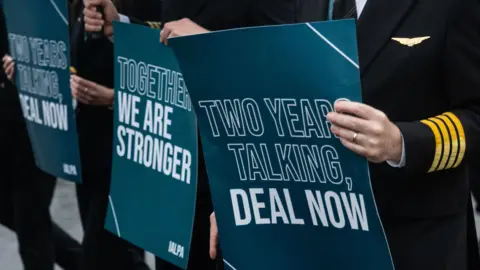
(124,19)
(402,162)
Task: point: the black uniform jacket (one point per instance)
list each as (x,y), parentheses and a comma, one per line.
(420,64)
(428,85)
(93,58)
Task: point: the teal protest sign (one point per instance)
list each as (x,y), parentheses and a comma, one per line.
(38,38)
(154,176)
(287,194)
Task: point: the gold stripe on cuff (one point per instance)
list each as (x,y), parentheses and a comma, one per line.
(454,140)
(438,144)
(461,136)
(446,142)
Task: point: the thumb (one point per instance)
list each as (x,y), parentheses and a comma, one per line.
(213,237)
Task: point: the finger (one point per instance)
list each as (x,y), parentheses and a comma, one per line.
(92,3)
(91,28)
(94,22)
(10,72)
(356,148)
(348,135)
(165,33)
(7,63)
(173,34)
(83,83)
(10,66)
(92,13)
(167,30)
(349,122)
(213,237)
(75,94)
(213,245)
(81,100)
(79,90)
(73,84)
(84,97)
(93,25)
(79,97)
(355,108)
(85,93)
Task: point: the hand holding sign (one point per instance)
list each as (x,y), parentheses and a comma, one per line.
(366,131)
(94,20)
(9,67)
(88,92)
(180,28)
(213,236)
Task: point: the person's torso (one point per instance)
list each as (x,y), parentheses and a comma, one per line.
(408,83)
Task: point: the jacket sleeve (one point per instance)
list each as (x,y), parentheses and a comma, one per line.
(451,139)
(151,24)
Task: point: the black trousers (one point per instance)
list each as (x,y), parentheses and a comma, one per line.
(25,197)
(103,250)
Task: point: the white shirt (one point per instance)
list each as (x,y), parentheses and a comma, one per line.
(360,5)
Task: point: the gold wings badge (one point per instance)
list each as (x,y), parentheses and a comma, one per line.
(410,42)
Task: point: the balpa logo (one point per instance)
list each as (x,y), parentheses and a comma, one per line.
(69,169)
(176,249)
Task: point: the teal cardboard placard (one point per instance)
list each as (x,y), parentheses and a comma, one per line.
(287,194)
(39,42)
(154,175)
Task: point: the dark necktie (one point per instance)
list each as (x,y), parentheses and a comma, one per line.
(344,9)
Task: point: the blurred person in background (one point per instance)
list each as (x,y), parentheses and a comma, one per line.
(92,86)
(171,10)
(26,191)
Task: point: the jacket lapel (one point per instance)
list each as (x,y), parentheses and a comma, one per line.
(376,24)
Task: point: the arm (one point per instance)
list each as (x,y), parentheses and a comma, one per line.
(424,140)
(95,21)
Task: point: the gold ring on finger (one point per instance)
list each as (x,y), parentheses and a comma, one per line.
(354,139)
